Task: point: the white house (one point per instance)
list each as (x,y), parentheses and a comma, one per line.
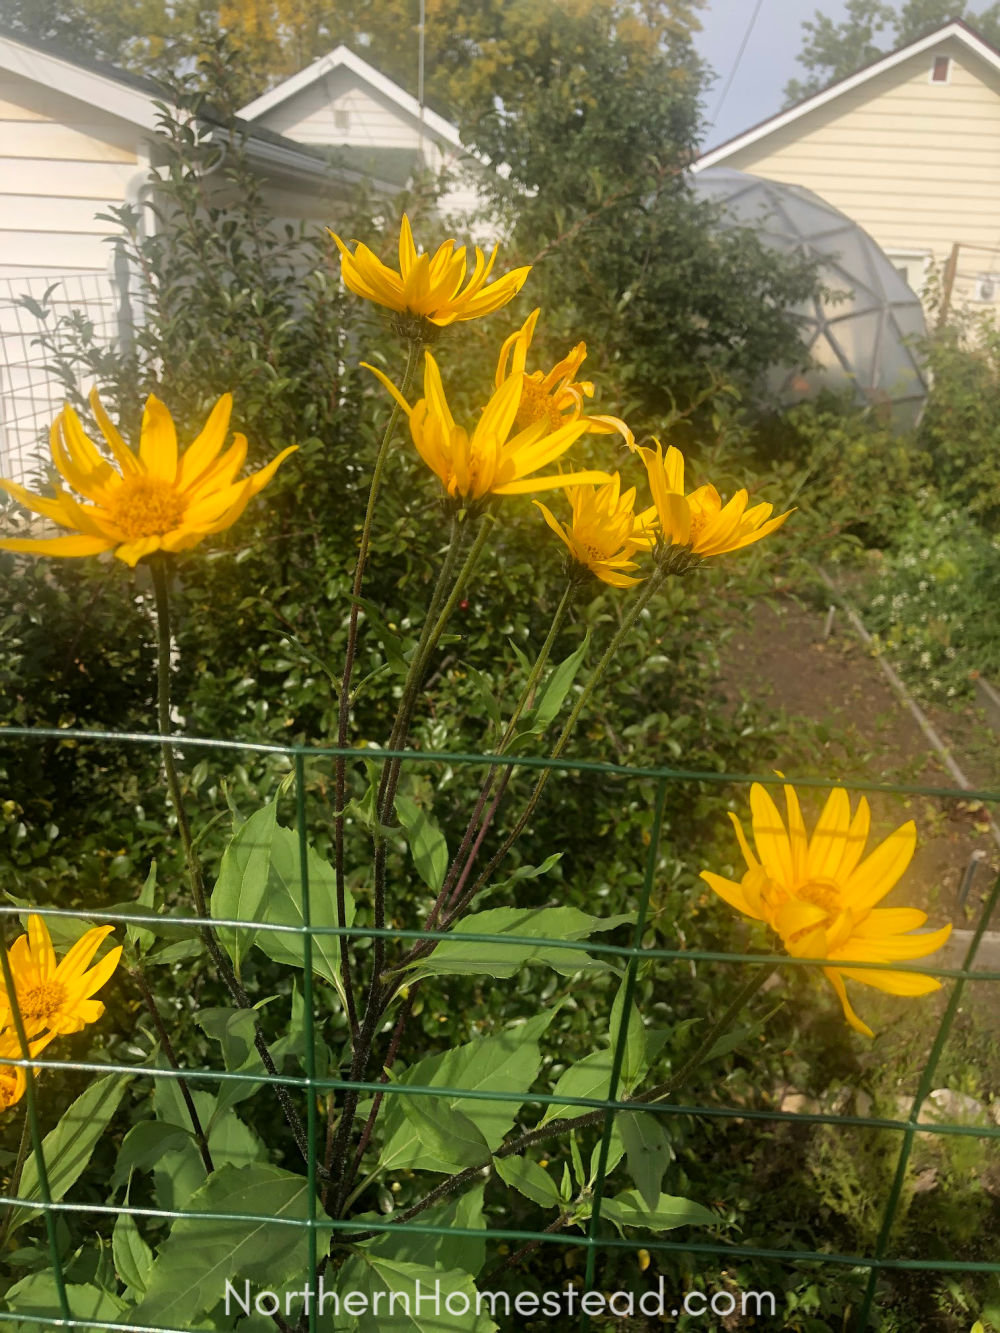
(909,148)
(78,136)
(368,123)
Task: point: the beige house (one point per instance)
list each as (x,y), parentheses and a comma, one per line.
(909,148)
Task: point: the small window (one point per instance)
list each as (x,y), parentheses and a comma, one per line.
(341,118)
(941,69)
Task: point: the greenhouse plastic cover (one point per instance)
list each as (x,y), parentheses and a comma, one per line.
(860,334)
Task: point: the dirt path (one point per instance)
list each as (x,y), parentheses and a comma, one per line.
(848,723)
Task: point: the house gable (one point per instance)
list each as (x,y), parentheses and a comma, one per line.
(911,157)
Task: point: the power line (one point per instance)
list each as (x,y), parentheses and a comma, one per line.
(736,64)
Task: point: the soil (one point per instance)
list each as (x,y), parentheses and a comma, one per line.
(849,724)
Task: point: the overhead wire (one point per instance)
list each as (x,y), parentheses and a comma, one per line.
(736,64)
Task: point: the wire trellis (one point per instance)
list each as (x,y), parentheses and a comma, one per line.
(312,1085)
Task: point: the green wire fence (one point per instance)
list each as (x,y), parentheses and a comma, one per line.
(630,955)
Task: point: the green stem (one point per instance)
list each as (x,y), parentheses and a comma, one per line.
(15,1177)
(344,700)
(386,796)
(138,976)
(231,981)
(651,586)
(458,872)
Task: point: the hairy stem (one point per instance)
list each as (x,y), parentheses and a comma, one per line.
(138,976)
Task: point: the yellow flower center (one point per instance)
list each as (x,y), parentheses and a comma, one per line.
(39,1004)
(8,1091)
(537,404)
(147,507)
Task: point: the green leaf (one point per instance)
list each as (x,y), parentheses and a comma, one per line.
(524,926)
(199,1256)
(427,845)
(528,1178)
(178,952)
(447,1134)
(179,1172)
(395,650)
(557,686)
(132,1256)
(67,1148)
(144,1145)
(38,1294)
(242,885)
(616,1151)
(648,1152)
(484,692)
(507,1062)
(634,1062)
(371,1274)
(283,907)
(465,1252)
(140,937)
(589,1077)
(669,1211)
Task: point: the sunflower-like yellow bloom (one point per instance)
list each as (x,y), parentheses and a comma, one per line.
(155,500)
(700,521)
(486,462)
(52,996)
(12,1077)
(602,534)
(555,396)
(430,288)
(820,896)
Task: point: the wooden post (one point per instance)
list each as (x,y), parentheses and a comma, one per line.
(948,285)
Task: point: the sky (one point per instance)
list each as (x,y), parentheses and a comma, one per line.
(766,65)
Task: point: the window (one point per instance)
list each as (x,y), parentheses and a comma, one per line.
(341,118)
(941,69)
(911,265)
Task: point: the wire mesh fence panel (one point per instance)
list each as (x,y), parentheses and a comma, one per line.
(30,393)
(195,1180)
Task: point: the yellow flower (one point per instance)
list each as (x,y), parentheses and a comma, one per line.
(486,462)
(554,396)
(602,532)
(700,521)
(12,1078)
(820,896)
(51,996)
(155,500)
(430,288)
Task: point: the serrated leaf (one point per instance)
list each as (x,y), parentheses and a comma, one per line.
(144,1145)
(528,1178)
(67,1148)
(200,1255)
(629,1210)
(374,1277)
(447,1134)
(416,1247)
(427,845)
(508,1062)
(524,927)
(647,1151)
(142,938)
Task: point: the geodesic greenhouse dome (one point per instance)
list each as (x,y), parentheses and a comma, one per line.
(858,336)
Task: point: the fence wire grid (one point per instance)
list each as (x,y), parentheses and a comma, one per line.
(312,1086)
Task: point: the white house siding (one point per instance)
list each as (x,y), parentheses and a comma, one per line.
(341,109)
(61,163)
(916,163)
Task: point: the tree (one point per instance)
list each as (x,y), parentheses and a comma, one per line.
(831,51)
